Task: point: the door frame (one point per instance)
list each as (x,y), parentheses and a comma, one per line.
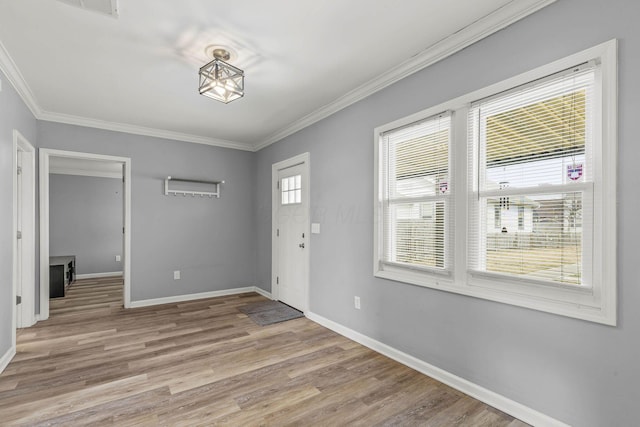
(305,160)
(45,156)
(28,220)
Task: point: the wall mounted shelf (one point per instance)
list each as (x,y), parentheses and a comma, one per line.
(191,187)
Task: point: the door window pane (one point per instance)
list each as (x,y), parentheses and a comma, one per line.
(291,188)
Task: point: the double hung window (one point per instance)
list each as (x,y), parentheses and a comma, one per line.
(531,160)
(415,203)
(508,193)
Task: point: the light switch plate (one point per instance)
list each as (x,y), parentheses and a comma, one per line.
(315,228)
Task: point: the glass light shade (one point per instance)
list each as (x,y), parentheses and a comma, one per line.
(221,81)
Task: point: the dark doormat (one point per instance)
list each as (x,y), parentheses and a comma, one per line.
(269,312)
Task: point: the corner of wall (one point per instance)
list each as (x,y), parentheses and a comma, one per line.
(7,357)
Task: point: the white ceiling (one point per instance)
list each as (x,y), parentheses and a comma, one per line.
(303,59)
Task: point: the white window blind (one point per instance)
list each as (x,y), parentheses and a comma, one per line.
(531,171)
(416,194)
(529,163)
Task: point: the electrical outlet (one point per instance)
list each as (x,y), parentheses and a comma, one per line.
(117,258)
(176,275)
(356,302)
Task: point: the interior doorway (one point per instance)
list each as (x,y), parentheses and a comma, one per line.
(74,163)
(291,227)
(24,249)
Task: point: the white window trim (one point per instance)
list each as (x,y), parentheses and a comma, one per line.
(448,199)
(596,304)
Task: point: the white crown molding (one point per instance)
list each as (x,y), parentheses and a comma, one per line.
(511,407)
(495,21)
(140,130)
(10,69)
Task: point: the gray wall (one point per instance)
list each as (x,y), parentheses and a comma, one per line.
(210,240)
(13,115)
(579,372)
(85,220)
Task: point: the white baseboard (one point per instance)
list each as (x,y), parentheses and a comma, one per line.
(98,275)
(515,409)
(4,361)
(202,295)
(262,292)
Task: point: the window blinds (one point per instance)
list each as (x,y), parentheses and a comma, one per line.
(416,193)
(531,158)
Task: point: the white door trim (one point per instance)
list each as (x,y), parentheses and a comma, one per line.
(45,156)
(28,220)
(300,159)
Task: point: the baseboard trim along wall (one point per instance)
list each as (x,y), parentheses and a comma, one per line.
(98,275)
(515,409)
(202,295)
(4,361)
(262,292)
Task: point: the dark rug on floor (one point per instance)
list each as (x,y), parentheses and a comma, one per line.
(269,312)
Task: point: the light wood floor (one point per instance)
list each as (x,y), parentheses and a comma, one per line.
(205,363)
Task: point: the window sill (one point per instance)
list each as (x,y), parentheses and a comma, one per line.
(576,302)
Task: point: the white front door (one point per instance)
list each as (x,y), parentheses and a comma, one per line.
(292,236)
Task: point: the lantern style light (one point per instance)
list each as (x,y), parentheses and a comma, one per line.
(220,80)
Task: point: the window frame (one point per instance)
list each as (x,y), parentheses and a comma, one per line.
(296,190)
(480,192)
(447,199)
(597,303)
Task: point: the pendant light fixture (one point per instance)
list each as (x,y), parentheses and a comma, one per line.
(219,79)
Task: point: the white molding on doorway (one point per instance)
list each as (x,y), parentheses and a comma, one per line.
(80,172)
(28,230)
(300,159)
(45,155)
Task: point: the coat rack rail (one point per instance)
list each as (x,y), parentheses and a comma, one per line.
(192,187)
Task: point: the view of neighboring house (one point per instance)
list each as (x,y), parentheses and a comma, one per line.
(519,152)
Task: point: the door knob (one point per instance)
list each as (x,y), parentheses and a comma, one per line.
(301,245)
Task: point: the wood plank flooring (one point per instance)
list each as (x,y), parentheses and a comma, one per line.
(205,363)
